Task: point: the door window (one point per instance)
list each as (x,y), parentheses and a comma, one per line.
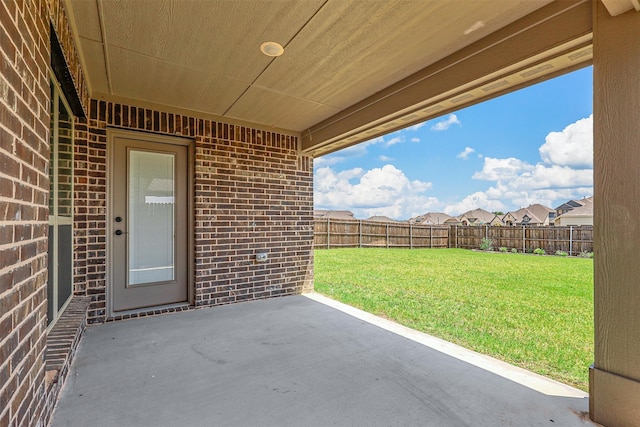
(151,217)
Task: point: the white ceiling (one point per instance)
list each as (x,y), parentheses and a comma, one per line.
(203,55)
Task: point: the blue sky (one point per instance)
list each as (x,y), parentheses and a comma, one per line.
(531,146)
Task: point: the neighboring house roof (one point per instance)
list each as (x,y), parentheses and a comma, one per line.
(416,219)
(540,211)
(333,214)
(509,219)
(536,214)
(586,200)
(585,210)
(526,217)
(572,204)
(477,216)
(497,221)
(434,218)
(381,218)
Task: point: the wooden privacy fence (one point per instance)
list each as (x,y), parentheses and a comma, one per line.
(345,233)
(571,239)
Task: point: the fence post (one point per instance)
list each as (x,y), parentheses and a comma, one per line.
(456,236)
(360,233)
(328,233)
(387,235)
(410,236)
(524,240)
(431,236)
(570,240)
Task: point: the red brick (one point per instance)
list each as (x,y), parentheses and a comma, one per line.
(9,257)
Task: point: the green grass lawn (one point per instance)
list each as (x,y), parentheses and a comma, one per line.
(532,311)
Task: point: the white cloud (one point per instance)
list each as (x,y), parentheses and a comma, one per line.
(571,147)
(502,169)
(327,180)
(393,141)
(549,197)
(379,191)
(327,160)
(464,155)
(417,126)
(446,123)
(554,176)
(519,198)
(475,201)
(362,149)
(521,183)
(564,172)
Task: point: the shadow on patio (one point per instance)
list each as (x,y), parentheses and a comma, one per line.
(296,361)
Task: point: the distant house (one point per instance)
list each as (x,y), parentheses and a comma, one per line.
(381,218)
(566,207)
(497,221)
(434,218)
(509,219)
(544,214)
(319,213)
(453,221)
(581,215)
(476,217)
(535,215)
(572,204)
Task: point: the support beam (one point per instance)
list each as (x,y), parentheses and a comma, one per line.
(551,41)
(615,376)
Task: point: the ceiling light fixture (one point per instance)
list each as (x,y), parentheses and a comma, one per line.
(271,49)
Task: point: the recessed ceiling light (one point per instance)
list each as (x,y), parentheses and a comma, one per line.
(271,49)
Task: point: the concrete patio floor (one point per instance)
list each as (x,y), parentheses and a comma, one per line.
(297,361)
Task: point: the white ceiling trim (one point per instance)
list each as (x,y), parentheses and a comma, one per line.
(618,7)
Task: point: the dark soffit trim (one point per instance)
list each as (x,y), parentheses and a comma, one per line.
(61,71)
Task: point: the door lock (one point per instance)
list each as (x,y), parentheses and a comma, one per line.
(118,219)
(118,232)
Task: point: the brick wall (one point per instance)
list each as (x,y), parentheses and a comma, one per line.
(90,195)
(253,193)
(24,188)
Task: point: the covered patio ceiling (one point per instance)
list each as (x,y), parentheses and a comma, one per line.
(351,70)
